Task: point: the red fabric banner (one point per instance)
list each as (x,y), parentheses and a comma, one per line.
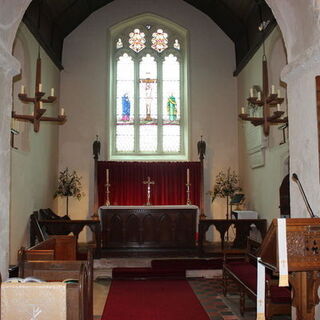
(127,188)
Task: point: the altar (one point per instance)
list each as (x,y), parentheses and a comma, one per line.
(148,228)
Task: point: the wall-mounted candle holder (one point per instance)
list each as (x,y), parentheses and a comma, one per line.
(38,111)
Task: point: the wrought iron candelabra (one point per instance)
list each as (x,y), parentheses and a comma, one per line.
(38,111)
(266,100)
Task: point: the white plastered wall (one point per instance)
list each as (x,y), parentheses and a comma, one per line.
(34,164)
(84,92)
(299,22)
(10,16)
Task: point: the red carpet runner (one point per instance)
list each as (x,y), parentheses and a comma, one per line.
(152,300)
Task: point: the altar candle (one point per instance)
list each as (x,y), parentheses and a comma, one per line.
(251,92)
(32,113)
(41,105)
(273,89)
(107,176)
(22,89)
(242,110)
(52,92)
(40,87)
(62,111)
(188,176)
(278,107)
(279,93)
(259,96)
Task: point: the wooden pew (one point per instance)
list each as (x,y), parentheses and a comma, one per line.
(55,260)
(41,228)
(244,275)
(78,307)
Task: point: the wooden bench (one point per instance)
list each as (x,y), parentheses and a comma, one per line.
(55,260)
(244,275)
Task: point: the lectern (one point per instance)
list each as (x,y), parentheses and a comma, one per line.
(303,244)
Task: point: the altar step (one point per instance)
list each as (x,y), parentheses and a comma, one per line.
(147,252)
(133,268)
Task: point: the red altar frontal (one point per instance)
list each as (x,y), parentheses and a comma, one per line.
(169,188)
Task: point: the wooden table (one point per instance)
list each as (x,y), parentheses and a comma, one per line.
(222,225)
(152,228)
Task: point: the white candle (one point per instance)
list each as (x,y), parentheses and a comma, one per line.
(251,92)
(22,89)
(41,105)
(62,111)
(278,107)
(52,92)
(32,113)
(188,176)
(40,87)
(273,89)
(242,110)
(107,176)
(259,96)
(279,93)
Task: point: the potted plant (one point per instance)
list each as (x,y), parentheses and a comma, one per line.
(227,184)
(69,185)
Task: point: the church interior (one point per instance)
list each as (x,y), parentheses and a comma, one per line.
(174,141)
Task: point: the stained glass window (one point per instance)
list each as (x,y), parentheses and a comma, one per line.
(148,114)
(137,40)
(159,40)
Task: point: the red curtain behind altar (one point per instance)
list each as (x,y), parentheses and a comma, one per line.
(127,188)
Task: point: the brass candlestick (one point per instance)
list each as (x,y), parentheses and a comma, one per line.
(188,193)
(107,185)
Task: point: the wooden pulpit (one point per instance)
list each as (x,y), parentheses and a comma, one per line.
(303,246)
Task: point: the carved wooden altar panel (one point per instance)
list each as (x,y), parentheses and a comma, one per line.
(148,228)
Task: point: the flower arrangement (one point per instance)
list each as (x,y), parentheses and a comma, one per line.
(69,185)
(227,184)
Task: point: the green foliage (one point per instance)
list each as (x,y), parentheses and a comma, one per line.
(227,184)
(69,185)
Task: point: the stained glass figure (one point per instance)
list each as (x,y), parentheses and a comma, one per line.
(119,44)
(171,90)
(176,44)
(148,87)
(137,40)
(125,89)
(125,107)
(159,40)
(172,108)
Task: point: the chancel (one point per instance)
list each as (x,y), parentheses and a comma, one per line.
(149,94)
